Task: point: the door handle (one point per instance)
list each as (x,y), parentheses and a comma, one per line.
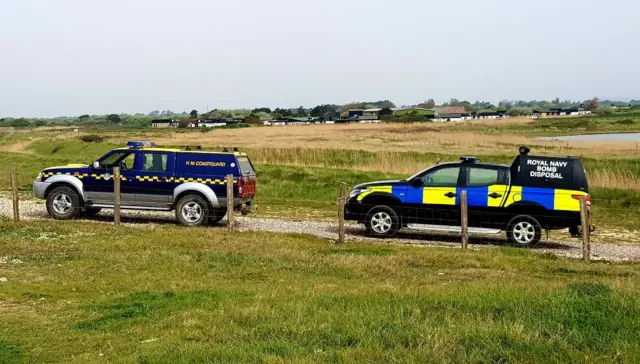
(495,195)
(450,194)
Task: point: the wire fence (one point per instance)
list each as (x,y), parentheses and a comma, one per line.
(459,223)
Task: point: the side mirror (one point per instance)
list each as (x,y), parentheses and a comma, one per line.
(416,182)
(96,164)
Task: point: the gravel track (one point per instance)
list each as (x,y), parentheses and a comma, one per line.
(35,210)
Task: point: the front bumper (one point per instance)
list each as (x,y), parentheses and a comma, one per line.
(354,211)
(39,189)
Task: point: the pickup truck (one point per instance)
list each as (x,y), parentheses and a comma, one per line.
(534,193)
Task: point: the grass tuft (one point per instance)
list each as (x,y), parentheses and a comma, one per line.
(11,352)
(367,251)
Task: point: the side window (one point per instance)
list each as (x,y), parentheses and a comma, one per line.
(479,177)
(154,162)
(444,177)
(129,161)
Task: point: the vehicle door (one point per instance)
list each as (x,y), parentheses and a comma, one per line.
(486,188)
(98,185)
(434,197)
(149,183)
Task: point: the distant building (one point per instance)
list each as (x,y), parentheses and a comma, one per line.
(356,112)
(163,123)
(441,118)
(491,115)
(305,120)
(213,123)
(571,111)
(371,112)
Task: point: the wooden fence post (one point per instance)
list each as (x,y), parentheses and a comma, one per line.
(464,233)
(14,189)
(116,194)
(229,180)
(586,231)
(341,202)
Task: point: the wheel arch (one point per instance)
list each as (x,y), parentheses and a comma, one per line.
(196,188)
(381,198)
(66,181)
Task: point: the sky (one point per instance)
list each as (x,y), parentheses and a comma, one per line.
(73,57)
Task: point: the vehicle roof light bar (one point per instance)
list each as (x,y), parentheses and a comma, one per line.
(140,144)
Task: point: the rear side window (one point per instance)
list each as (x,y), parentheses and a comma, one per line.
(154,162)
(246,169)
(482,177)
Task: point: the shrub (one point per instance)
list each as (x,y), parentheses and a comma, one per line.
(625,122)
(604,110)
(92,138)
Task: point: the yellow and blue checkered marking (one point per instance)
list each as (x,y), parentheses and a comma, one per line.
(158,179)
(549,198)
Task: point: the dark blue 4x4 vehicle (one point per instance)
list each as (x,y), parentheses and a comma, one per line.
(190,181)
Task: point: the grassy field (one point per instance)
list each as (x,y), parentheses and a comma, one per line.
(85,292)
(304,181)
(91,293)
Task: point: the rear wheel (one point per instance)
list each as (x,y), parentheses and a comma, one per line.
(524,231)
(63,203)
(192,210)
(382,221)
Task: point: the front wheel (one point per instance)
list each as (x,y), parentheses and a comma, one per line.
(192,210)
(382,221)
(63,203)
(524,231)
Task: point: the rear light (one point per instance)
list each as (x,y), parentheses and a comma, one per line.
(587,198)
(241,182)
(247,186)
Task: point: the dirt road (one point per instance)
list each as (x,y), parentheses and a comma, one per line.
(564,247)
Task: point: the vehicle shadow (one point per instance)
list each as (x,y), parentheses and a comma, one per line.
(452,239)
(132,219)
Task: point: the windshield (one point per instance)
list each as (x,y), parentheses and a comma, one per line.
(113,159)
(418,174)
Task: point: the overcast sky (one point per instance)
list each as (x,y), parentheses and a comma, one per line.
(71,57)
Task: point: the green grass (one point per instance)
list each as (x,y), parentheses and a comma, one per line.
(618,123)
(311,192)
(97,293)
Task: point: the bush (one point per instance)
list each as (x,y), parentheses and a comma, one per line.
(182,124)
(92,138)
(625,122)
(604,110)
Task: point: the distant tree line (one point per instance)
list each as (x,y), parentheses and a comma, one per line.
(326,111)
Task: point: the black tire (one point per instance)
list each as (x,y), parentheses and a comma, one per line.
(524,231)
(63,203)
(382,222)
(575,231)
(192,210)
(91,211)
(217,215)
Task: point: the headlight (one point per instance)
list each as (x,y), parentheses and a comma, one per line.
(357,191)
(39,178)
